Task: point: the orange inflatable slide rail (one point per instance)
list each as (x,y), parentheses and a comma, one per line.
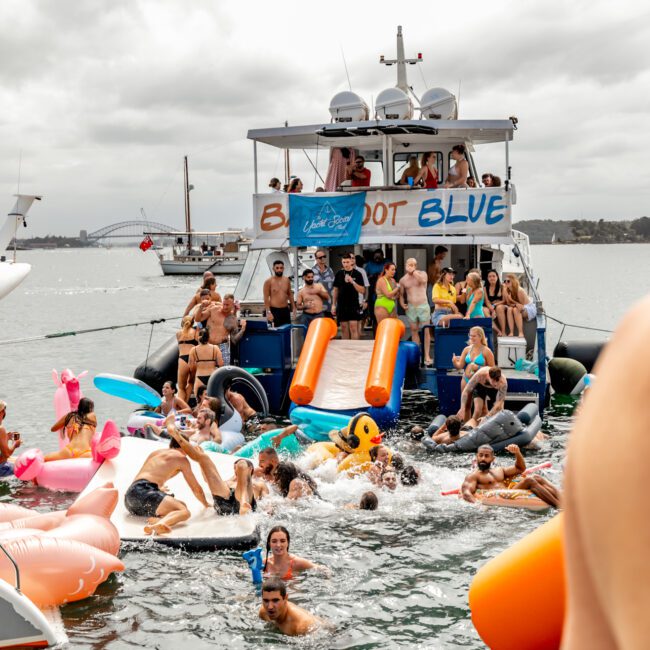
(305,378)
(502,611)
(382,363)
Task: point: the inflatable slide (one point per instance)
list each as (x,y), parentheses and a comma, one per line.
(346,377)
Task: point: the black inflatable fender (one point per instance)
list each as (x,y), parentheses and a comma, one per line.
(161,366)
(222,378)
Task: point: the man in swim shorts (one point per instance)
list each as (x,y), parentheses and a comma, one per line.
(9,441)
(413,290)
(278,297)
(487,387)
(486,477)
(238,495)
(146,498)
(287,617)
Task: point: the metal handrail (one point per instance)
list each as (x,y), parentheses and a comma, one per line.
(16,569)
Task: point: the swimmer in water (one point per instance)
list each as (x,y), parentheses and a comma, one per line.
(287,617)
(236,496)
(146,498)
(410,476)
(369,501)
(292,482)
(389,479)
(451,431)
(282,563)
(267,461)
(380,457)
(486,477)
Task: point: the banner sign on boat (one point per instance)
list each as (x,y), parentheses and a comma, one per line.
(401,216)
(326,220)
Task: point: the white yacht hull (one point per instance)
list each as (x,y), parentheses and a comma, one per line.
(11,275)
(201,265)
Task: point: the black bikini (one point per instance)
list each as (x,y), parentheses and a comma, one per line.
(186,357)
(204,378)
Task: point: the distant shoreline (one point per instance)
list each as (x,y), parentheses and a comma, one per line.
(582,231)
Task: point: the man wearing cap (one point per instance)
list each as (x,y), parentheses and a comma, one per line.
(444,299)
(9,441)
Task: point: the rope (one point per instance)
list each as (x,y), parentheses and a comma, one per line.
(580,327)
(57,335)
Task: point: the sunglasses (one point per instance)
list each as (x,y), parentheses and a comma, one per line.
(321,257)
(506,282)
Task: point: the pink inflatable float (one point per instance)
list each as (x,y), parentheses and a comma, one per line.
(70,474)
(62,556)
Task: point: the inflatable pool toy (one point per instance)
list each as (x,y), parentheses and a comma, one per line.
(68,392)
(512,498)
(502,619)
(290,445)
(232,377)
(316,424)
(254,559)
(70,474)
(63,556)
(127,388)
(139,419)
(382,363)
(502,429)
(356,439)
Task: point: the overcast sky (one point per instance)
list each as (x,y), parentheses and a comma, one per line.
(103,98)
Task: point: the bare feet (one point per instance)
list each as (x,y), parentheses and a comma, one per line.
(157,529)
(153,520)
(245,508)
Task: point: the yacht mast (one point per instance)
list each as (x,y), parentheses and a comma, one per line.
(402,82)
(188,220)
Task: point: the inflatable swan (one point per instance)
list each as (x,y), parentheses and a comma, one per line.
(62,556)
(69,474)
(68,392)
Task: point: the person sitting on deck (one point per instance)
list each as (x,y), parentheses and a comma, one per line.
(488,386)
(475,296)
(79,426)
(476,355)
(516,307)
(444,299)
(485,477)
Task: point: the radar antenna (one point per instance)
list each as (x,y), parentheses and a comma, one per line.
(401,62)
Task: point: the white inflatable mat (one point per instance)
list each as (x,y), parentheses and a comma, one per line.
(205,530)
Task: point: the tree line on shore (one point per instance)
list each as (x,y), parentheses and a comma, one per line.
(579,231)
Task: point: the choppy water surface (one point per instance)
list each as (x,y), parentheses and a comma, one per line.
(398,576)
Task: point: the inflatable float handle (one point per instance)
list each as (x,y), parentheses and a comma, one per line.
(526,472)
(382,363)
(305,378)
(254,559)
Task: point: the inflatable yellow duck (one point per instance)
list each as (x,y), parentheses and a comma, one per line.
(354,441)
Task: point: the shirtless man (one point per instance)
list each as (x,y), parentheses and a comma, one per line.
(146,498)
(236,496)
(435,267)
(9,441)
(488,478)
(287,617)
(413,290)
(278,297)
(267,462)
(222,322)
(203,431)
(486,384)
(449,432)
(311,298)
(209,283)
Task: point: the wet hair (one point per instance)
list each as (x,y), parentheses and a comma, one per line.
(459,148)
(204,336)
(274,182)
(269,451)
(171,384)
(485,448)
(286,472)
(85,407)
(397,461)
(454,424)
(373,451)
(209,413)
(209,282)
(409,476)
(275,529)
(369,501)
(306,272)
(204,292)
(494,373)
(440,249)
(214,404)
(275,584)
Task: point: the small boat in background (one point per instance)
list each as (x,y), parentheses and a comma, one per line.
(12,273)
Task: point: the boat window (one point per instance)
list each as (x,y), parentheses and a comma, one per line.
(401,162)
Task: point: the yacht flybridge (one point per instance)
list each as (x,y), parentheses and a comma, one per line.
(473,223)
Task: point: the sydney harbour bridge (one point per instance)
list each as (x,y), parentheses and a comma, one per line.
(126,230)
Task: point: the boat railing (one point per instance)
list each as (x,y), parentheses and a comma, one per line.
(16,568)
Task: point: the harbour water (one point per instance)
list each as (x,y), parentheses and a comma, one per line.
(398,576)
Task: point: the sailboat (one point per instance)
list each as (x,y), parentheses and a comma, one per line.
(12,273)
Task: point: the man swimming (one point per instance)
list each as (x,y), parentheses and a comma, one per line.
(146,498)
(449,432)
(287,617)
(485,477)
(239,494)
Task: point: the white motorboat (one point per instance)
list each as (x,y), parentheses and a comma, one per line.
(12,273)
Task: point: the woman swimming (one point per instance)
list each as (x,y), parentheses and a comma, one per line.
(292,482)
(187,339)
(387,291)
(205,358)
(282,563)
(79,427)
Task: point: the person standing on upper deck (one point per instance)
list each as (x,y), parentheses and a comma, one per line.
(324,275)
(278,297)
(358,173)
(457,176)
(433,270)
(348,284)
(428,175)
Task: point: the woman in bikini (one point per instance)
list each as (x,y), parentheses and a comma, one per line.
(79,427)
(386,290)
(187,339)
(459,172)
(476,355)
(475,296)
(282,563)
(205,358)
(171,403)
(493,298)
(428,176)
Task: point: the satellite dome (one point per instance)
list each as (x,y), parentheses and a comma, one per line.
(438,104)
(347,106)
(393,104)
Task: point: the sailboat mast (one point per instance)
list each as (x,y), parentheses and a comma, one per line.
(400,61)
(188,220)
